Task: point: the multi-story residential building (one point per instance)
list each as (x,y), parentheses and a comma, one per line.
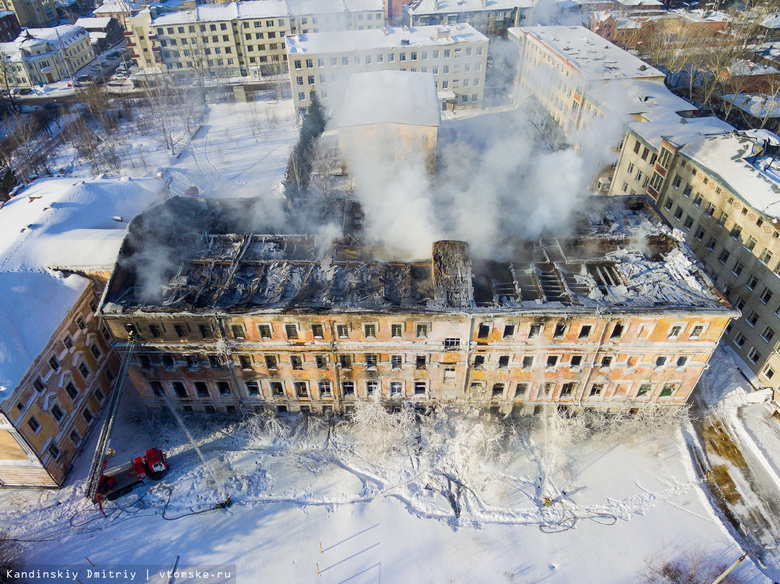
(57,365)
(122,10)
(45,55)
(32,13)
(240,38)
(322,63)
(241,321)
(9,26)
(720,191)
(572,76)
(492,17)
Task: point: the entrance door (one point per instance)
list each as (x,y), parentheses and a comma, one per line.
(49,78)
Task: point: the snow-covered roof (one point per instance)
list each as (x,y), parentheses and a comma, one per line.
(590,55)
(703,15)
(117,7)
(726,158)
(769,51)
(48,210)
(459,6)
(639,96)
(680,131)
(759,105)
(225,12)
(33,307)
(4,13)
(95,22)
(406,97)
(364,5)
(59,37)
(747,68)
(360,40)
(771,20)
(59,223)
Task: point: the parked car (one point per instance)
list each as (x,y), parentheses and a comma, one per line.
(84,79)
(113,56)
(24,91)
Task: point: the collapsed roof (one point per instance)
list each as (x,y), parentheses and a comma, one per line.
(210,256)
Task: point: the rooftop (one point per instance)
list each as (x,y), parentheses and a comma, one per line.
(210,258)
(650,98)
(727,158)
(116,7)
(360,40)
(225,12)
(418,7)
(304,7)
(593,57)
(758,105)
(679,132)
(95,22)
(409,98)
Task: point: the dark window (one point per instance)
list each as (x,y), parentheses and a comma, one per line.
(396,361)
(372,387)
(668,390)
(155,331)
(371,361)
(205,331)
(265,331)
(54,363)
(88,416)
(84,370)
(180,390)
(585,331)
(567,389)
(681,361)
(38,384)
(419,388)
(420,362)
(369,330)
(270,361)
(156,387)
(422,330)
(552,360)
(617,331)
(317,331)
(484,331)
(349,388)
(57,413)
(276,388)
(345,361)
(71,390)
(396,330)
(68,342)
(300,389)
(181,330)
(322,361)
(238,331)
(291,330)
(660,361)
(296,361)
(215,362)
(521,389)
(535,330)
(560,330)
(245,361)
(168,361)
(223,387)
(528,362)
(596,389)
(95,351)
(643,389)
(342,331)
(451,344)
(509,331)
(201,389)
(498,390)
(252,388)
(576,360)
(33,424)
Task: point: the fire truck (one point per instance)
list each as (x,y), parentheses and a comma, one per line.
(120,480)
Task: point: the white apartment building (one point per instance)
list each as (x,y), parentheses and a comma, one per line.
(45,55)
(322,63)
(240,38)
(487,16)
(572,75)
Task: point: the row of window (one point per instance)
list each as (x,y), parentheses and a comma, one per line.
(296,389)
(606,362)
(568,389)
(422,55)
(220,26)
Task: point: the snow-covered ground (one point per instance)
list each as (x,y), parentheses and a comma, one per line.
(455,497)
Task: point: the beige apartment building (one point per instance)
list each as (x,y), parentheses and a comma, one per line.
(45,55)
(32,13)
(491,17)
(719,188)
(323,63)
(244,321)
(572,76)
(238,39)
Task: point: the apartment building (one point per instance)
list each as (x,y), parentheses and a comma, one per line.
(9,26)
(45,55)
(244,321)
(719,190)
(491,17)
(239,39)
(322,63)
(32,13)
(58,244)
(572,76)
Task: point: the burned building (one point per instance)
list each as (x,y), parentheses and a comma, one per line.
(227,317)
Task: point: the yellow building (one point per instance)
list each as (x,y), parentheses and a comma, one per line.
(32,13)
(45,55)
(58,242)
(241,321)
(390,115)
